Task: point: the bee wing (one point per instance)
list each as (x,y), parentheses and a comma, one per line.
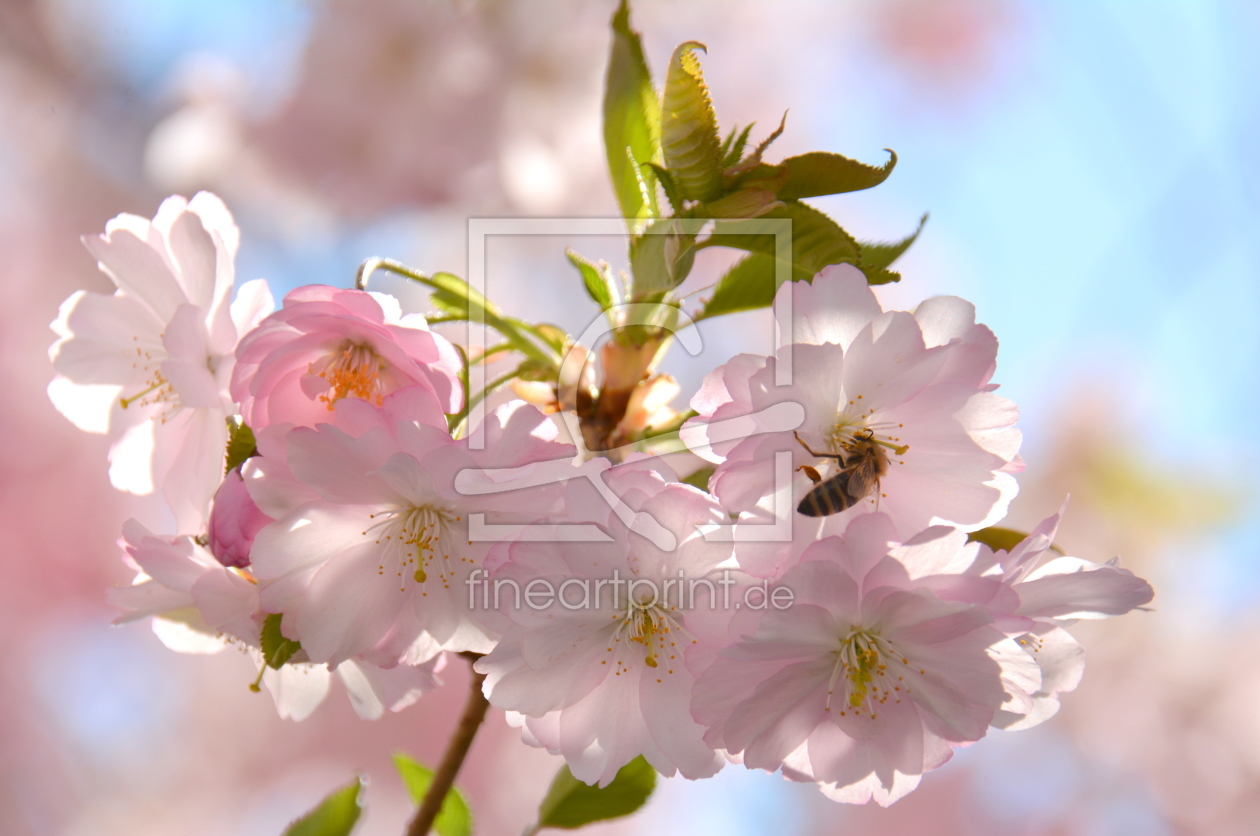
(863,478)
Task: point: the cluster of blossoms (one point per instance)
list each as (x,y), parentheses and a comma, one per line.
(826,610)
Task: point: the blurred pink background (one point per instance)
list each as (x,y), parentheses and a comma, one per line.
(1092,175)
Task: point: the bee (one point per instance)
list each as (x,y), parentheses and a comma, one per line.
(862,464)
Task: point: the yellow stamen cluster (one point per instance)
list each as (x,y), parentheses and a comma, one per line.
(416,535)
(354,371)
(852,422)
(156,388)
(650,625)
(868,683)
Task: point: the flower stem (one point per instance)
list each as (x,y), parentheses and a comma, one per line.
(453,758)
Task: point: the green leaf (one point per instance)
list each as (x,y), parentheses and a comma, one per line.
(743,203)
(552,335)
(876,275)
(336,815)
(456,296)
(455,818)
(275,647)
(732,150)
(1002,539)
(666,180)
(458,299)
(817,240)
(877,256)
(596,277)
(689,131)
(997,538)
(749,285)
(632,119)
(570,804)
(821,173)
(241,445)
(699,479)
(660,261)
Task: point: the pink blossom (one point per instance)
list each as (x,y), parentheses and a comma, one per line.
(234,521)
(200,606)
(870,678)
(372,540)
(150,364)
(326,344)
(914,383)
(607,680)
(1049,597)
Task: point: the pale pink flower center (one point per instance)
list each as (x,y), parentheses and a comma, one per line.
(853,419)
(415,542)
(353,370)
(650,624)
(156,388)
(862,668)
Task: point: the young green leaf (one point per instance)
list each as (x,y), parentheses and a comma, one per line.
(821,173)
(997,538)
(660,259)
(241,445)
(666,180)
(876,256)
(454,819)
(878,275)
(336,815)
(817,240)
(750,284)
(732,149)
(631,120)
(689,130)
(1001,539)
(597,279)
(570,804)
(275,647)
(700,479)
(742,203)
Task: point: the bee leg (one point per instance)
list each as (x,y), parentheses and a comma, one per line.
(813,474)
(816,455)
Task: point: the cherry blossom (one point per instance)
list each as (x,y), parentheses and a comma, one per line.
(150,364)
(599,674)
(372,539)
(234,522)
(870,678)
(914,387)
(1050,596)
(200,606)
(326,344)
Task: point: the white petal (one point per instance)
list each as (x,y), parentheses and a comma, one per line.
(106,339)
(373,689)
(252,304)
(297,689)
(131,460)
(945,318)
(138,270)
(87,407)
(184,632)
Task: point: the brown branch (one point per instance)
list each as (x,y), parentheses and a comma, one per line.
(453,758)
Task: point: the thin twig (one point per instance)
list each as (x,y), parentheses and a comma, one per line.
(453,758)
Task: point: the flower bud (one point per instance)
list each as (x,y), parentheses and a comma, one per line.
(234,521)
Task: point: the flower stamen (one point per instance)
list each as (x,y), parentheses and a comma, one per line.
(353,371)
